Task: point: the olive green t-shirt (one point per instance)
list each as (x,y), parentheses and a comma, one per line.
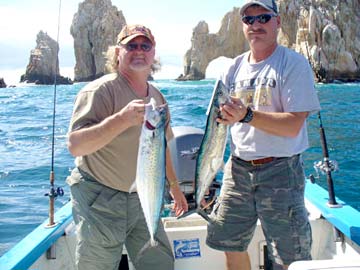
(114,165)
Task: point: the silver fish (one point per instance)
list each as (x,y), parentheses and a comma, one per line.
(211,152)
(150,172)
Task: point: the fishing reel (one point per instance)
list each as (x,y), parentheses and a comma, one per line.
(324,167)
(54,193)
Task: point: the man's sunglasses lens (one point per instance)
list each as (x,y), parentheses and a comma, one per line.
(134,46)
(263,18)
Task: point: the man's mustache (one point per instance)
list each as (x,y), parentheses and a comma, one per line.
(259,31)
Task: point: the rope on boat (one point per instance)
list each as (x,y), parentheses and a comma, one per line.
(327,166)
(54,192)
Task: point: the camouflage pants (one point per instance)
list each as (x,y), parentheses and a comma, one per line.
(273,193)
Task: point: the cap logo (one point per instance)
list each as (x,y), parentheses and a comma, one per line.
(141,29)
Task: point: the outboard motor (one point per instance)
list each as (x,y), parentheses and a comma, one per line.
(184,148)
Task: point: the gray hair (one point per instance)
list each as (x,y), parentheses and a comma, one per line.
(112,62)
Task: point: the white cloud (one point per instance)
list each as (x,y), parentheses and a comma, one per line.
(213,71)
(217,67)
(168,72)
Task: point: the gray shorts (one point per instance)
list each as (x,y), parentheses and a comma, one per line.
(106,219)
(273,193)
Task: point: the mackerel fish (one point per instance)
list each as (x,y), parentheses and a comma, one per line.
(211,152)
(150,172)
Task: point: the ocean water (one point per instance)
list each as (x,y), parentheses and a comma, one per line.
(26,135)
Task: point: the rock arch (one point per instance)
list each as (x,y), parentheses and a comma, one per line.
(205,47)
(94,28)
(320,30)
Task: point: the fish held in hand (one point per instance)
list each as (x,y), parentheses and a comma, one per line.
(211,152)
(150,172)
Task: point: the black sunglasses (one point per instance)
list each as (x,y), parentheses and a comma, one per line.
(133,46)
(262,18)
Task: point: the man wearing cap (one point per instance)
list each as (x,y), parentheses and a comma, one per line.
(272,94)
(104,137)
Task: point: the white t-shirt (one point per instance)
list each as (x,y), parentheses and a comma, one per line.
(283,82)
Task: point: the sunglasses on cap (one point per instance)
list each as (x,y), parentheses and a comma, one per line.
(262,18)
(133,46)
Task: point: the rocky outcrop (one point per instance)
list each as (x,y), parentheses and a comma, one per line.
(43,67)
(322,31)
(228,41)
(319,29)
(94,28)
(2,83)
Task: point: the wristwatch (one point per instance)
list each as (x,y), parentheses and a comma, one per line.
(248,116)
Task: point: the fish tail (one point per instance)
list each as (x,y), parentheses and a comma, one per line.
(199,211)
(188,213)
(203,214)
(153,242)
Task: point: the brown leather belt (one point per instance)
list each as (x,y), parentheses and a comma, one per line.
(261,161)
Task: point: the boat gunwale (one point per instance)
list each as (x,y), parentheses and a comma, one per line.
(345,218)
(29,249)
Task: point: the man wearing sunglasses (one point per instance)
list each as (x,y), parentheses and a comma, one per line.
(104,137)
(273,93)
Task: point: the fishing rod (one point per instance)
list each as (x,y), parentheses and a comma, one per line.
(54,192)
(326,166)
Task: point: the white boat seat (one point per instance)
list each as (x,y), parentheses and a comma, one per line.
(350,264)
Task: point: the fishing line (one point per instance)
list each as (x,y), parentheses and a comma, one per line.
(55,84)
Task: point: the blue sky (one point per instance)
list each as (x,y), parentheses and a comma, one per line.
(171,21)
